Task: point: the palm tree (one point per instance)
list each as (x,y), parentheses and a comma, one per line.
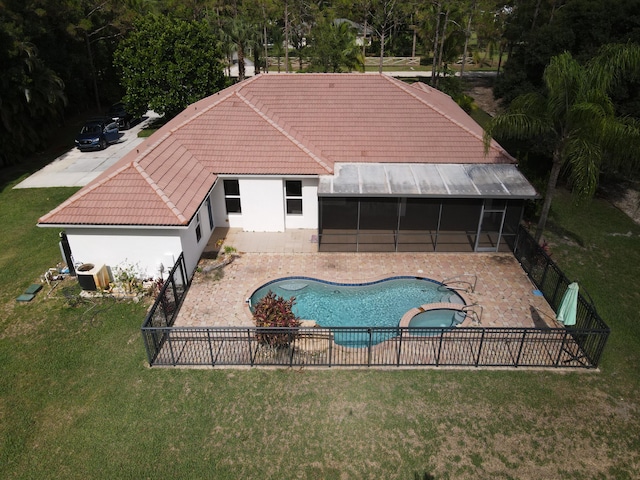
(575,118)
(333,48)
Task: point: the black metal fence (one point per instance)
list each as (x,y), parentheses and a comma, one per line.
(164,311)
(580,346)
(590,332)
(405,347)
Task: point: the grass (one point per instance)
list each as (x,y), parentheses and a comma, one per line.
(77,399)
(481,117)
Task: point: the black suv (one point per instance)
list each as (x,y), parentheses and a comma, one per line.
(118,112)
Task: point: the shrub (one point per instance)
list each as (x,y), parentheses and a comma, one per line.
(274,311)
(127,276)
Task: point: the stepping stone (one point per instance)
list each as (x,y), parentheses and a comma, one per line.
(33,288)
(25,297)
(29,293)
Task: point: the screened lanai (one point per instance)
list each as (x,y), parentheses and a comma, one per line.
(421,207)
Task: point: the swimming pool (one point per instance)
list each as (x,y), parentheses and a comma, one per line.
(373,304)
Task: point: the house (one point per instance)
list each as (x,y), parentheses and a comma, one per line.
(372,163)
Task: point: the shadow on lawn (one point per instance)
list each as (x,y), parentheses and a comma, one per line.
(562,232)
(423,476)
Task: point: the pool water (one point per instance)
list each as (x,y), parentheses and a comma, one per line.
(376,304)
(439,317)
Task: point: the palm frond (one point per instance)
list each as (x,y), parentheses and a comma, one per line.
(583,158)
(621,139)
(614,62)
(515,125)
(588,116)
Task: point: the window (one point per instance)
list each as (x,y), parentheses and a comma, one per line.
(232,196)
(293,196)
(210,210)
(198,229)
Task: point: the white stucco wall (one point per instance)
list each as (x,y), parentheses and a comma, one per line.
(113,247)
(144,248)
(264,207)
(191,247)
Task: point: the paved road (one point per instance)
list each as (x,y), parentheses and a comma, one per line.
(76,168)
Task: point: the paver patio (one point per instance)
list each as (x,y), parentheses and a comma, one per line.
(503,289)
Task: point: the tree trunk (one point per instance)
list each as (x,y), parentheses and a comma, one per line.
(435,45)
(444,36)
(286,37)
(240,61)
(266,51)
(364,38)
(500,58)
(381,52)
(548,196)
(535,15)
(413,46)
(467,34)
(93,71)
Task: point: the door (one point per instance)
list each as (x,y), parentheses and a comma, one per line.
(490,226)
(111,133)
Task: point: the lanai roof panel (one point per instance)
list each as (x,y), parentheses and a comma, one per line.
(402,180)
(442,180)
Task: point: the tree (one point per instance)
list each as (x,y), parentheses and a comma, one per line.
(31,100)
(333,48)
(536,31)
(167,64)
(381,23)
(575,117)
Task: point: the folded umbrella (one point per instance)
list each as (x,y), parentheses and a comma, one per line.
(569,305)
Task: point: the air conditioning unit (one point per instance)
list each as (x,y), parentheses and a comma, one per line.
(92,277)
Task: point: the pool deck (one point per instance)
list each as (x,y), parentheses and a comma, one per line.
(503,289)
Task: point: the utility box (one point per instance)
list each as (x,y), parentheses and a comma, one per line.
(92,277)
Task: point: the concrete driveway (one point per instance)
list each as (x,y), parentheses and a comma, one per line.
(76,168)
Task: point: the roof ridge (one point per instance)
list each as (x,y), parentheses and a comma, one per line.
(290,137)
(163,196)
(428,89)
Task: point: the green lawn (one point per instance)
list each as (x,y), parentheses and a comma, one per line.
(77,399)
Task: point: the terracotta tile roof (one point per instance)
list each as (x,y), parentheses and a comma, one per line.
(277,124)
(130,196)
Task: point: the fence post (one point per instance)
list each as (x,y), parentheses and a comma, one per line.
(213,363)
(400,347)
(369,347)
(564,338)
(173,359)
(252,354)
(565,280)
(524,335)
(291,348)
(480,348)
(439,348)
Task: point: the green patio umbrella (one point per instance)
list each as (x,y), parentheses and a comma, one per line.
(569,305)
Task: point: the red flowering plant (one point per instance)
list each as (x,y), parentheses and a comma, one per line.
(274,311)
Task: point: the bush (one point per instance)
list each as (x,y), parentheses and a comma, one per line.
(274,311)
